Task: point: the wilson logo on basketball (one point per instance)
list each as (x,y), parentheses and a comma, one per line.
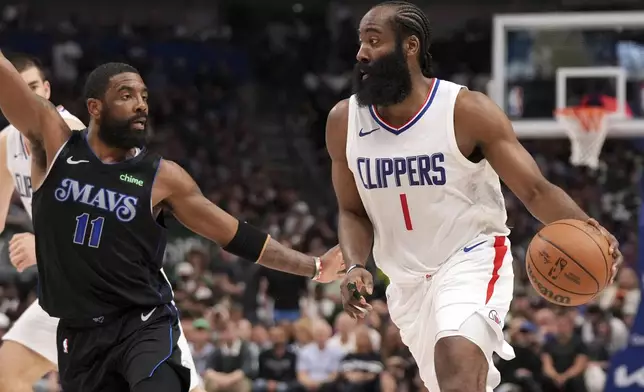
(546,292)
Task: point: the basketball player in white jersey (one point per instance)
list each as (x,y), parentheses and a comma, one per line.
(29,348)
(416,163)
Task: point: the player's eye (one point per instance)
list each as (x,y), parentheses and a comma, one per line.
(373,41)
(125,97)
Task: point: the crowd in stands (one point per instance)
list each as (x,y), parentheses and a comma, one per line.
(255,329)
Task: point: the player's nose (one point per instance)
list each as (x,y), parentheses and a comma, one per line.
(141,106)
(363,55)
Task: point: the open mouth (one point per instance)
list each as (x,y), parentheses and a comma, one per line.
(139,124)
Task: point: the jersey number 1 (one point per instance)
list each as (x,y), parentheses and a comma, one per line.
(94,234)
(405,211)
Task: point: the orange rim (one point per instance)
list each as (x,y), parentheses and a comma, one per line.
(590,118)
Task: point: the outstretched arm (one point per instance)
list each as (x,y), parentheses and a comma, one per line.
(179,191)
(34,116)
(476,116)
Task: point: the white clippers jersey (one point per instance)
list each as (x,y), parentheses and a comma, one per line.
(424,198)
(19,161)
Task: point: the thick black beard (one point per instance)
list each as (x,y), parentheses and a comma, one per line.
(388,83)
(119,133)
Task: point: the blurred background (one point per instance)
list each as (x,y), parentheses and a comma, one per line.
(240,90)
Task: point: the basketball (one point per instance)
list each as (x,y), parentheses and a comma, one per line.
(568,262)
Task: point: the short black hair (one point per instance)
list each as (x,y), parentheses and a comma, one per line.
(99,78)
(411,20)
(23,62)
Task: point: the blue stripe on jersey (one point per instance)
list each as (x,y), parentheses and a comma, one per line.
(414,120)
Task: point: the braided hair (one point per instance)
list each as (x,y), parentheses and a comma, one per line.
(411,20)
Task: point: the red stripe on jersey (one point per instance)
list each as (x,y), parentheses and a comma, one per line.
(500,249)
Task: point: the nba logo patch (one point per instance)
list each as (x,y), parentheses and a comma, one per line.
(65,346)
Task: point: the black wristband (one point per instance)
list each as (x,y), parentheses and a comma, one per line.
(248,242)
(354,267)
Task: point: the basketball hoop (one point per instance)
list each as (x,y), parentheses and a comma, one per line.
(587,128)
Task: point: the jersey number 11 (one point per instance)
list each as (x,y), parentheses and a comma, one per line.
(94,234)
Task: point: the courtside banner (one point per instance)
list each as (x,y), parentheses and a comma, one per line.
(626,372)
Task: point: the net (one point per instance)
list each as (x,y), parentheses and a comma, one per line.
(586,128)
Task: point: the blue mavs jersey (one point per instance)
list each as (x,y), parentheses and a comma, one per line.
(99,247)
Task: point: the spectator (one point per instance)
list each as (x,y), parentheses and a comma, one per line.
(231,365)
(276,366)
(286,290)
(622,297)
(200,344)
(524,371)
(598,357)
(564,359)
(398,360)
(618,337)
(261,338)
(363,370)
(344,337)
(318,362)
(302,334)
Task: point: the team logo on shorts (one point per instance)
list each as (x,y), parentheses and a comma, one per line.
(65,346)
(494,316)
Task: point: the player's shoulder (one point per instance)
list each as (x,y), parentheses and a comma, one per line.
(340,111)
(337,125)
(477,113)
(168,168)
(171,176)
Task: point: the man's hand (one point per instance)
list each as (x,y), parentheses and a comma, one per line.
(356,284)
(22,251)
(331,266)
(613,248)
(560,380)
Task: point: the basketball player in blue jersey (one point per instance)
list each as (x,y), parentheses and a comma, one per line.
(100,236)
(28,351)
(416,163)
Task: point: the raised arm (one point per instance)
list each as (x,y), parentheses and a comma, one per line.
(178,190)
(34,116)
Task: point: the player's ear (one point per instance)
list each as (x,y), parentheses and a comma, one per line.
(47,89)
(412,46)
(94,107)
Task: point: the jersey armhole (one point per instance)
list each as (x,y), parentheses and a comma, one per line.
(159,219)
(454,90)
(351,120)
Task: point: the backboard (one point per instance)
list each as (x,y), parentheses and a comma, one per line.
(542,62)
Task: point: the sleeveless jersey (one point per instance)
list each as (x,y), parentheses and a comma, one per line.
(19,162)
(424,198)
(99,247)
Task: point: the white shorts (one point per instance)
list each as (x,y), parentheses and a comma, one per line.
(36,330)
(479,281)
